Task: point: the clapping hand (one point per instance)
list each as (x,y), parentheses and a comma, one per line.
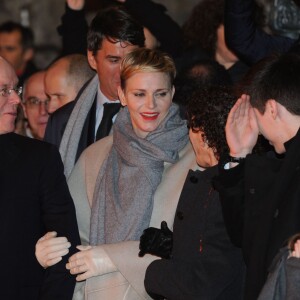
(241,128)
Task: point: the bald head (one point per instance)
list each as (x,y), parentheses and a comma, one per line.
(9,99)
(64,78)
(35,102)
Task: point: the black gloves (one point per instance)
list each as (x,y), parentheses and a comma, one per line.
(156,241)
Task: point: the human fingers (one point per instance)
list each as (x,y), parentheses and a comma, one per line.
(48,235)
(79,269)
(79,255)
(48,257)
(234,112)
(59,253)
(76,266)
(52,262)
(247,105)
(53,245)
(84,276)
(83,248)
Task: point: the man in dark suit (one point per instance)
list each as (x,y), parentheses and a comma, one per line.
(112,34)
(34,199)
(260,194)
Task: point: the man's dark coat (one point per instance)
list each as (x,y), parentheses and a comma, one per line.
(34,199)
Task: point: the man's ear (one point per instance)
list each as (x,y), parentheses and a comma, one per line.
(91,60)
(28,54)
(272,108)
(122,96)
(173,91)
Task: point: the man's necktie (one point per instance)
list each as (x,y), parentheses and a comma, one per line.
(110,109)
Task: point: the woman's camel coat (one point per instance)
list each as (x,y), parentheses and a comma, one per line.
(127,283)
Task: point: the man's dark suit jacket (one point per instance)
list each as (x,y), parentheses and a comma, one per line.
(261,206)
(34,199)
(204,263)
(58,121)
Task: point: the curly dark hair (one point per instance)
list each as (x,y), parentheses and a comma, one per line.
(207,111)
(201,27)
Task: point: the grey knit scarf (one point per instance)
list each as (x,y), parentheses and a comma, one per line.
(126,183)
(69,143)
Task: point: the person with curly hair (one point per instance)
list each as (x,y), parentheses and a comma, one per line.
(198,259)
(204,36)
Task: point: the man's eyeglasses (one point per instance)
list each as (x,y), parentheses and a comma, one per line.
(35,102)
(5,92)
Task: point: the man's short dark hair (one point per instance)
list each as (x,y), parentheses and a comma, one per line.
(27,37)
(117,25)
(278,80)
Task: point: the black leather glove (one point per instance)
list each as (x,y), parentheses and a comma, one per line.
(156,241)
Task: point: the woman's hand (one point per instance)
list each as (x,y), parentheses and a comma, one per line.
(50,249)
(89,262)
(241,128)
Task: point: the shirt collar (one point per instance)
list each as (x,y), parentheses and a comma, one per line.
(101,98)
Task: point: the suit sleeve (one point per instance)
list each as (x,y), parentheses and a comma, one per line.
(243,37)
(57,123)
(73,31)
(230,185)
(58,214)
(51,133)
(179,279)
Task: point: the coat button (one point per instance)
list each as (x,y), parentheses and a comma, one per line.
(179,215)
(252,191)
(276,213)
(193,179)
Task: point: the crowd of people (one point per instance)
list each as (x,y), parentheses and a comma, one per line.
(149,160)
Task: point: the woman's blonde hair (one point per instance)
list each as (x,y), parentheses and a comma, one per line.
(146,60)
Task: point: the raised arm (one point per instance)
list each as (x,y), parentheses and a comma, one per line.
(241,135)
(154,17)
(243,37)
(73,29)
